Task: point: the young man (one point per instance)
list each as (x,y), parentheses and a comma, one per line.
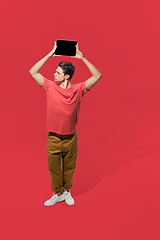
(63,104)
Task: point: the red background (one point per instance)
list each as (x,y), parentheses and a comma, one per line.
(116,182)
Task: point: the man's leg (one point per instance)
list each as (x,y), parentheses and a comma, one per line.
(69,155)
(54,154)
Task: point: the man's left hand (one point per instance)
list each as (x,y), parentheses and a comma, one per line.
(79,54)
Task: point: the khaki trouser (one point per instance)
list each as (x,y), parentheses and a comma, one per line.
(61,147)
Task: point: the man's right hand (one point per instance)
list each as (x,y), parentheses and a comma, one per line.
(34,71)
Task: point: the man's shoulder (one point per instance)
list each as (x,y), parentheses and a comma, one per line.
(47,84)
(81,87)
(48,80)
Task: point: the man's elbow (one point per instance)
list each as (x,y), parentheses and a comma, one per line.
(99,76)
(30,72)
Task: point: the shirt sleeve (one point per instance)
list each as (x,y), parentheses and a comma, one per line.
(46,84)
(83,89)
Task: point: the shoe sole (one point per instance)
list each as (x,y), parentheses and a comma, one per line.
(70,204)
(54,203)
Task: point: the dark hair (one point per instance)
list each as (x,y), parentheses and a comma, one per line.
(68,68)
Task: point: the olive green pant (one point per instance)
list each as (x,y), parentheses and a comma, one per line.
(61,147)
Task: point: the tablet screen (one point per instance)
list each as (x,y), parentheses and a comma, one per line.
(66,47)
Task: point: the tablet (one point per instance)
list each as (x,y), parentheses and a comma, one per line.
(66,47)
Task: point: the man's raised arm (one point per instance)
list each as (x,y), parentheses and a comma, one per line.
(96,74)
(34,71)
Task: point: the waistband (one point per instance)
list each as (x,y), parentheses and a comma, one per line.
(66,136)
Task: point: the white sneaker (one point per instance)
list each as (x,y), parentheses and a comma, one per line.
(54,199)
(68,198)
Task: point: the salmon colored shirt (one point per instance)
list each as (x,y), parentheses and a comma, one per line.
(63,106)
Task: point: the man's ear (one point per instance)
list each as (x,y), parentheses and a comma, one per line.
(67,76)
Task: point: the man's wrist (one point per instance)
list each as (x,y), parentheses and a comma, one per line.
(49,55)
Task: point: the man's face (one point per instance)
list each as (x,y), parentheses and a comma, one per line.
(59,75)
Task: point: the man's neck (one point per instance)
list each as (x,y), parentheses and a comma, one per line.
(66,84)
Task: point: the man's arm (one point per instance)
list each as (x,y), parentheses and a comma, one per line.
(96,74)
(34,71)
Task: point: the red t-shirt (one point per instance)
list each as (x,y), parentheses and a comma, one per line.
(63,106)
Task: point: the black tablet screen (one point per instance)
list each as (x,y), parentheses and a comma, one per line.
(66,47)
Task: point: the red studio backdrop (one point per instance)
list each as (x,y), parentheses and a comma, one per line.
(116,184)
